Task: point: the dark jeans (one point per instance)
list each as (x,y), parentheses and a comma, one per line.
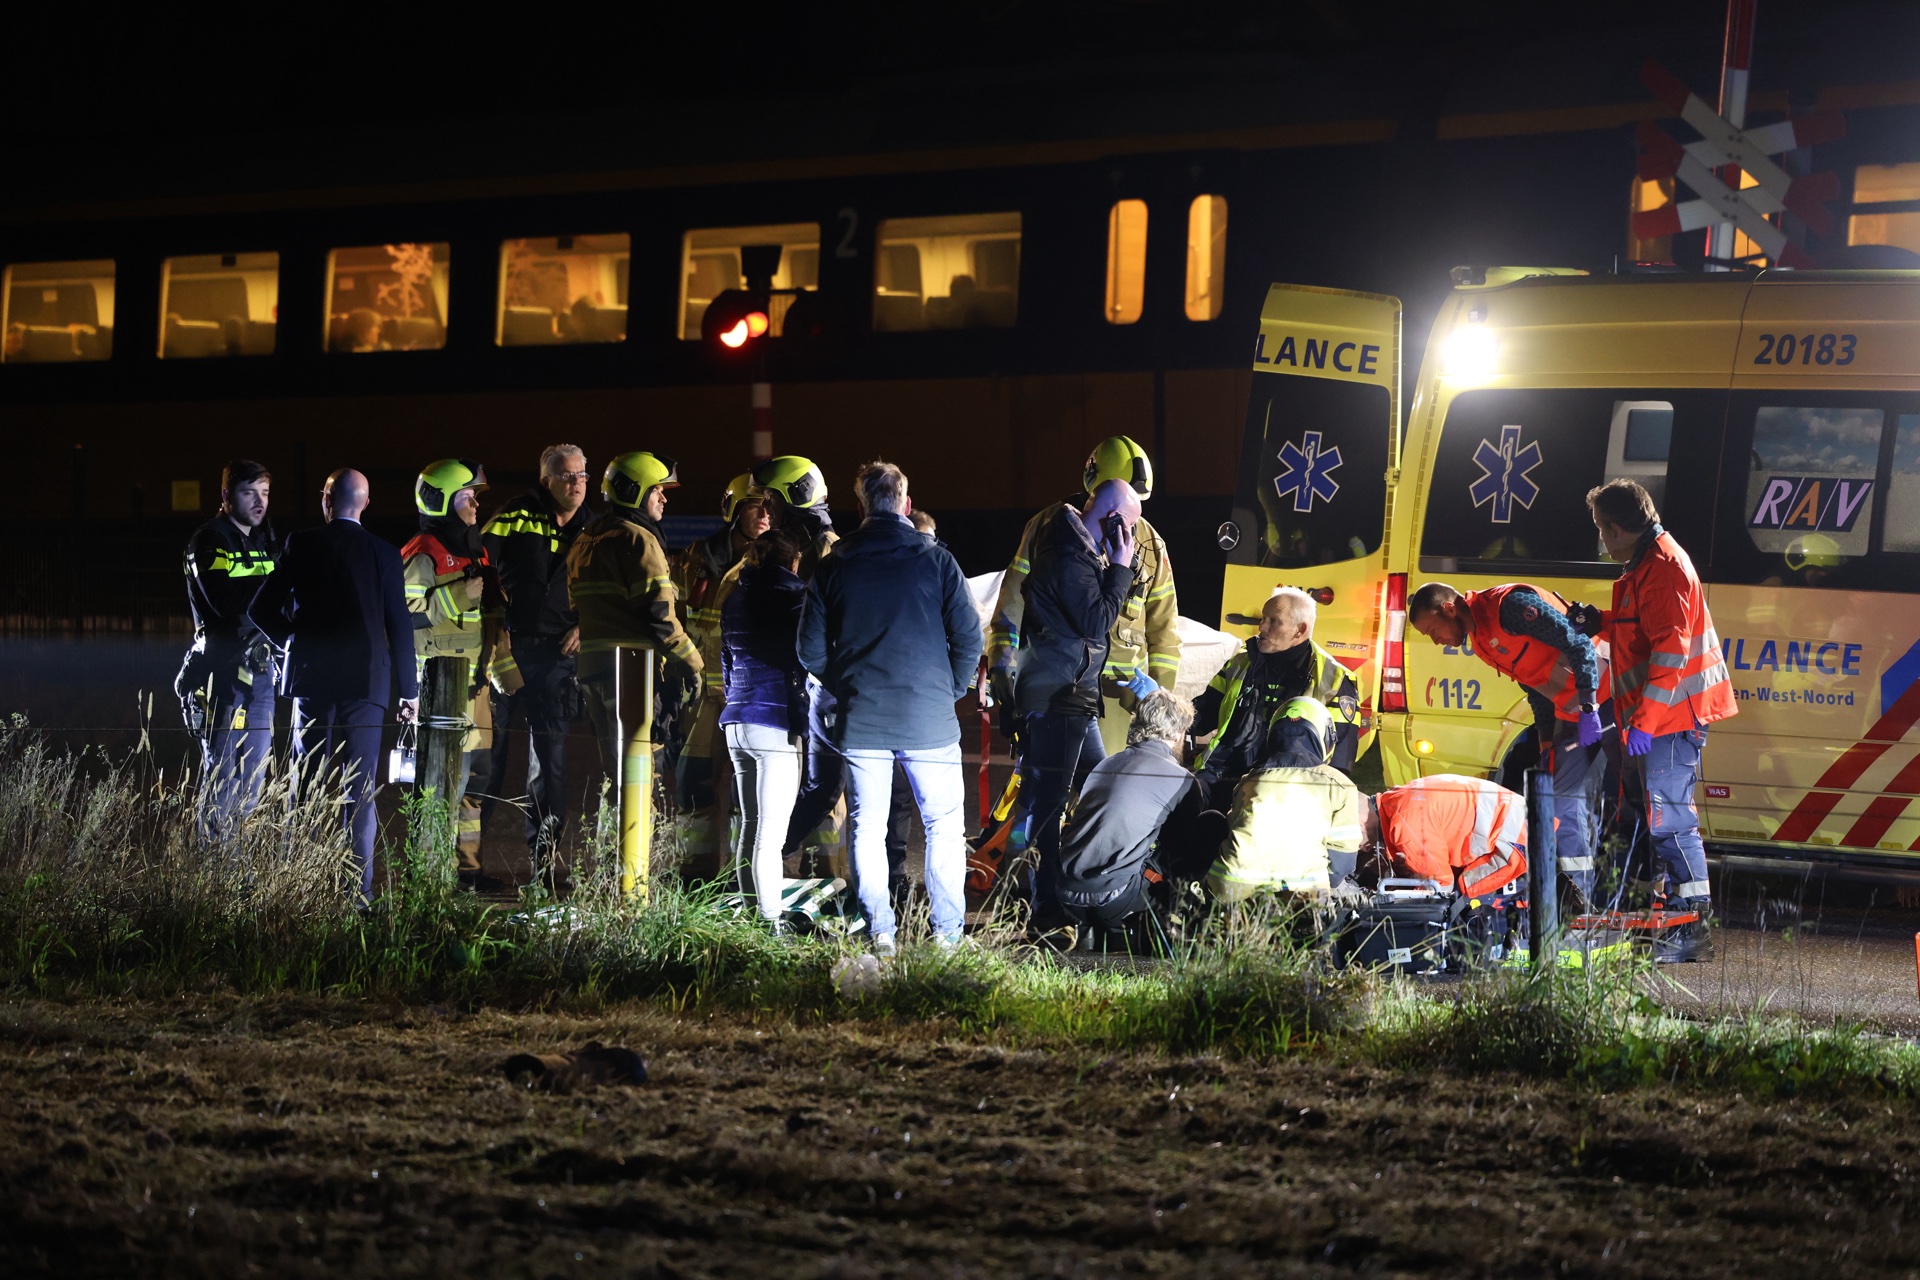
(1059,751)
(339,738)
(826,778)
(541,702)
(234,754)
(1108,909)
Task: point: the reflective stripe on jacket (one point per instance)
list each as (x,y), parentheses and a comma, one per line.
(445,623)
(696,582)
(1283,823)
(1669,674)
(1144,637)
(1534,664)
(1447,825)
(1332,686)
(622,588)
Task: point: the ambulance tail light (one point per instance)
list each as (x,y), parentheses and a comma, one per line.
(1393,668)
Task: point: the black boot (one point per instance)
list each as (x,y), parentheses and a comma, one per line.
(1688,942)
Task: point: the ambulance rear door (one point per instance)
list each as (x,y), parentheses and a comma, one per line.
(1321,441)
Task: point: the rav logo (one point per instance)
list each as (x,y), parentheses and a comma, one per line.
(1820,503)
(1506,474)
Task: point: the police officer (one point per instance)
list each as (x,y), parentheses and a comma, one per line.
(534,666)
(702,568)
(446,571)
(1144,652)
(226,683)
(621,585)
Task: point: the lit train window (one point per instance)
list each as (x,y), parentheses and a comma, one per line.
(1206,256)
(563,289)
(1126,261)
(1886,184)
(219,304)
(960,272)
(56,312)
(710,265)
(387,297)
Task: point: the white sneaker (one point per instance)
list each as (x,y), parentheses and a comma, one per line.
(951,943)
(883,946)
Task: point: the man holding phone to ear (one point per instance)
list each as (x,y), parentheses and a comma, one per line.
(1082,571)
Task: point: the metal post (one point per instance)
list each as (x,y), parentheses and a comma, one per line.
(1543,873)
(442,761)
(636,781)
(1735,65)
(762,421)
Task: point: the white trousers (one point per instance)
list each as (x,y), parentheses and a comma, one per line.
(767,763)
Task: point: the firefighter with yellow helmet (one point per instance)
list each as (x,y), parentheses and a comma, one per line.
(1144,653)
(697,580)
(621,584)
(447,573)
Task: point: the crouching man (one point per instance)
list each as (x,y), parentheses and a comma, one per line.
(1138,819)
(1296,823)
(1462,833)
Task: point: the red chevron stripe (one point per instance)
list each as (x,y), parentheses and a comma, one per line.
(1854,761)
(1871,825)
(1807,816)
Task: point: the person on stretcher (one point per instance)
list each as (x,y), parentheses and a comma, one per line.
(1462,833)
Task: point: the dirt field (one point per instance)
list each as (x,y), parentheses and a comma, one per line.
(295,1138)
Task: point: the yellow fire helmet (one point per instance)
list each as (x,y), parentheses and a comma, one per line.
(739,489)
(1118,458)
(797,480)
(631,475)
(439,481)
(1310,715)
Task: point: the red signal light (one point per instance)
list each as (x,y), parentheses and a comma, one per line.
(736,337)
(757,323)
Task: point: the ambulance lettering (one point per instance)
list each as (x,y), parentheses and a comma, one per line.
(1821,504)
(1319,353)
(1816,658)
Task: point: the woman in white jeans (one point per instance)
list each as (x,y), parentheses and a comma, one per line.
(765,713)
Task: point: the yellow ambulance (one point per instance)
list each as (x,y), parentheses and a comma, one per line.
(1774,417)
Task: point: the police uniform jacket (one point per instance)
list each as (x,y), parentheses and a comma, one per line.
(527,546)
(224,567)
(1239,703)
(621,585)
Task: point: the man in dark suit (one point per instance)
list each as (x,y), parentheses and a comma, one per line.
(338,602)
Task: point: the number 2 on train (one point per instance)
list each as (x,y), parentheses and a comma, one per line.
(1812,348)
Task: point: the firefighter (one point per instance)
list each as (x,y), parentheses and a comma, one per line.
(1281,662)
(446,577)
(1295,824)
(1144,652)
(621,585)
(1522,632)
(1670,683)
(534,666)
(697,581)
(1466,834)
(226,683)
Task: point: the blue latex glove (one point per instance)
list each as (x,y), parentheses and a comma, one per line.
(1141,685)
(1639,742)
(1590,729)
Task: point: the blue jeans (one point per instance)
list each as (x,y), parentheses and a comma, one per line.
(1667,774)
(1578,773)
(938,789)
(234,755)
(1059,751)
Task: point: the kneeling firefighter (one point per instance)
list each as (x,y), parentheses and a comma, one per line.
(1296,823)
(447,574)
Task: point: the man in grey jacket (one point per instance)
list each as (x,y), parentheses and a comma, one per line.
(890,631)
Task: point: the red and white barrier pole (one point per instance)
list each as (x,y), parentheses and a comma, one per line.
(1736,64)
(762,421)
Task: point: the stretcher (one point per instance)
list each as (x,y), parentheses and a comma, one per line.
(1420,928)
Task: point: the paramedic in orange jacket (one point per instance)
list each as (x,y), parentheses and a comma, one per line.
(1669,684)
(1522,632)
(1447,826)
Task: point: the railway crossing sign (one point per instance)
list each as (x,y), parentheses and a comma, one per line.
(1724,146)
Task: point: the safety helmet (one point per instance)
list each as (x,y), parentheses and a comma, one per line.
(631,475)
(739,489)
(797,480)
(1303,723)
(439,481)
(1118,458)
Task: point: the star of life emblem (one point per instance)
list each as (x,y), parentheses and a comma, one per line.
(1506,474)
(1308,473)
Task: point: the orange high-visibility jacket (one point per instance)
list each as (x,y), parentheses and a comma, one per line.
(1669,674)
(1447,825)
(1533,663)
